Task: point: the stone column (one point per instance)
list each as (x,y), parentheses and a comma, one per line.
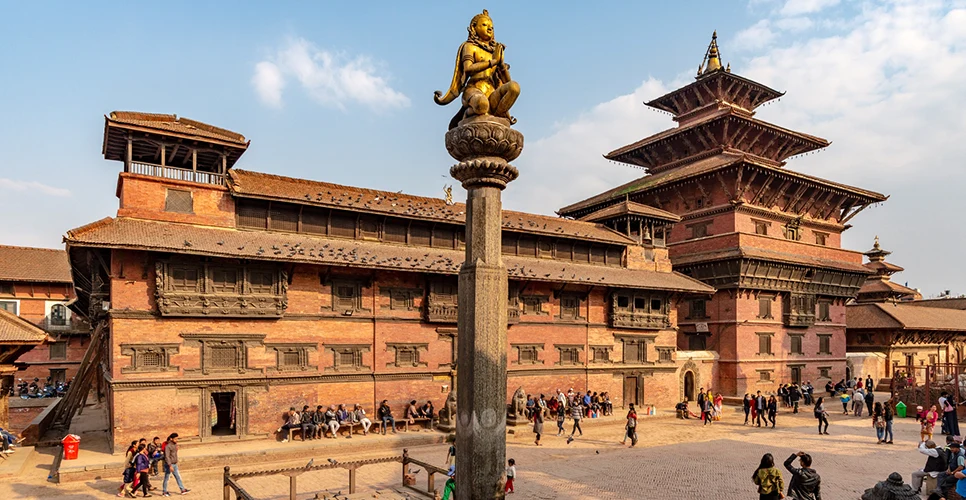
(483,145)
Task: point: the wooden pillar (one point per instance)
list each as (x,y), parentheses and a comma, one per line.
(352,480)
(164,152)
(128,153)
(224,164)
(292,487)
(430,482)
(194,160)
(227,488)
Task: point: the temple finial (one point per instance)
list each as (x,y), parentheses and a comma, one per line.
(876,245)
(712,57)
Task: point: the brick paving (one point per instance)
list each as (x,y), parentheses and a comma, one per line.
(674,459)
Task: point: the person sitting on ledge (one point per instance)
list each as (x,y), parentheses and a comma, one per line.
(306,421)
(411,412)
(427,410)
(385,415)
(359,415)
(344,417)
(331,421)
(292,421)
(318,420)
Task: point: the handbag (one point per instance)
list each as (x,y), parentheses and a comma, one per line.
(880,423)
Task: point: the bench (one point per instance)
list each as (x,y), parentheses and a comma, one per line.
(346,427)
(294,429)
(417,421)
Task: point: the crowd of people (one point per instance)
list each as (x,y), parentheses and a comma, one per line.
(314,424)
(143,460)
(945,465)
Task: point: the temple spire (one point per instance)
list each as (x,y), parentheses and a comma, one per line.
(712,58)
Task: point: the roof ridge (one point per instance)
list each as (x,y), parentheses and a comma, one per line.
(33,248)
(24,324)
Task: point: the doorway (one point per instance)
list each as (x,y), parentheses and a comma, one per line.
(630,391)
(689,386)
(223,414)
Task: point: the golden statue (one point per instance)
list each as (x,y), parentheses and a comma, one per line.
(481,76)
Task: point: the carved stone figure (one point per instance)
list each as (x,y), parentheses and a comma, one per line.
(891,489)
(481,76)
(447,414)
(518,408)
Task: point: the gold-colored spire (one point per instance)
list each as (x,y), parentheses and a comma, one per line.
(712,57)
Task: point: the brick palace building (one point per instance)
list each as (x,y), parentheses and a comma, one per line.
(766,237)
(228,296)
(35,284)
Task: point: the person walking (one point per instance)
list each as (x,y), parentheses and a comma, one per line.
(761,406)
(630,428)
(537,417)
(561,417)
(171,465)
(805,483)
(746,405)
(794,396)
(449,489)
(772,411)
(878,422)
(128,474)
(950,422)
(768,478)
(511,472)
(821,415)
(869,400)
(576,414)
(844,397)
(889,415)
(928,421)
(858,402)
(718,403)
(142,467)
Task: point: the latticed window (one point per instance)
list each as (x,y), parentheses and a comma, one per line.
(152,360)
(345,296)
(314,221)
(343,225)
(252,214)
(184,279)
(533,304)
(284,217)
(764,376)
(6,288)
(58,315)
(58,350)
(823,371)
(569,307)
(405,357)
(796,341)
(149,357)
(261,282)
(347,358)
(178,201)
(444,237)
(527,247)
(527,354)
(394,231)
(223,357)
(420,235)
(664,355)
(290,359)
(635,351)
(569,355)
(369,227)
(698,309)
(224,280)
(601,355)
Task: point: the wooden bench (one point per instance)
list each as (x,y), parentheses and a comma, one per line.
(346,427)
(294,429)
(418,421)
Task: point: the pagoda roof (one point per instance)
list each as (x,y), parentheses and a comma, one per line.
(626,208)
(159,128)
(146,235)
(245,183)
(766,255)
(883,267)
(701,167)
(877,287)
(716,86)
(726,128)
(904,316)
(37,265)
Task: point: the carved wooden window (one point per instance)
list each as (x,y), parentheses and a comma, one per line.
(224,280)
(764,306)
(565,250)
(444,237)
(623,303)
(698,309)
(824,313)
(368,228)
(253,214)
(347,357)
(444,293)
(283,217)
(406,354)
(292,357)
(346,296)
(569,354)
(581,252)
(825,344)
(223,353)
(178,201)
(615,256)
(820,238)
(223,357)
(527,354)
(184,279)
(796,344)
(598,255)
(764,343)
(58,315)
(58,351)
(796,373)
(402,299)
(509,244)
(792,232)
(824,371)
(799,309)
(545,248)
(533,304)
(314,220)
(600,353)
(764,375)
(569,307)
(635,350)
(761,227)
(665,354)
(261,281)
(420,234)
(149,357)
(342,225)
(700,229)
(394,231)
(527,247)
(697,342)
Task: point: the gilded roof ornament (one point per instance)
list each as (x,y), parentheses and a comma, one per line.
(712,58)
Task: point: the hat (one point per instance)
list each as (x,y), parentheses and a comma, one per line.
(918,407)
(930,444)
(954,444)
(452,471)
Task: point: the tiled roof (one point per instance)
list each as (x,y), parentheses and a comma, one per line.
(905,316)
(292,247)
(40,265)
(631,208)
(260,185)
(15,330)
(882,265)
(948,303)
(770,255)
(877,286)
(172,124)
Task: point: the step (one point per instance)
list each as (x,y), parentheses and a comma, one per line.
(14,465)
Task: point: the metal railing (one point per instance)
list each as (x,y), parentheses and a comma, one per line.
(176,173)
(922,385)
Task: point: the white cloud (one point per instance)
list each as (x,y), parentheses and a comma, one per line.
(331,79)
(799,7)
(32,187)
(794,24)
(757,36)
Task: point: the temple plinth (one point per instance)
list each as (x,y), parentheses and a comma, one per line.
(484,146)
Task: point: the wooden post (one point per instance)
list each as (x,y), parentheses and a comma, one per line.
(405,465)
(129,153)
(227,488)
(224,164)
(430,482)
(292,487)
(194,160)
(164,152)
(352,480)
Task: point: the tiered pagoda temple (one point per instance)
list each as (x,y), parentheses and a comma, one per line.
(767,238)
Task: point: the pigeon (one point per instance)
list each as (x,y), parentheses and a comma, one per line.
(309,465)
(570,439)
(332,461)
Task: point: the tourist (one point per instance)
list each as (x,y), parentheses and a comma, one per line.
(318,420)
(142,467)
(450,488)
(128,475)
(331,421)
(844,397)
(700,402)
(868,383)
(950,422)
(829,388)
(761,406)
(878,422)
(561,416)
(537,424)
(427,410)
(305,423)
(359,415)
(511,472)
(154,453)
(746,405)
(869,397)
(888,413)
(576,414)
(794,396)
(821,415)
(858,402)
(586,403)
(542,406)
(608,405)
(411,414)
(385,416)
(807,391)
(718,402)
(553,406)
(631,426)
(171,465)
(772,411)
(954,463)
(783,395)
(858,384)
(292,421)
(805,483)
(928,420)
(935,464)
(451,455)
(705,404)
(769,479)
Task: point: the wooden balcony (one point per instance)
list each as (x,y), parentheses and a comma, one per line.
(442,313)
(798,319)
(175,173)
(639,321)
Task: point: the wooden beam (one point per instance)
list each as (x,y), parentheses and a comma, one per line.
(854,213)
(657,201)
(761,191)
(751,179)
(741,172)
(794,198)
(811,201)
(828,207)
(681,197)
(704,193)
(777,194)
(724,186)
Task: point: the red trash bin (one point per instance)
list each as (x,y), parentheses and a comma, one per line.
(71,446)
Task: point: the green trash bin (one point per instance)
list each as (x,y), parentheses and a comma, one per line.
(901,409)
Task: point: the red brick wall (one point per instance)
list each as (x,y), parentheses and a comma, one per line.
(143,197)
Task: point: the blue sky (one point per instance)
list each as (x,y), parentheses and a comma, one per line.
(878,79)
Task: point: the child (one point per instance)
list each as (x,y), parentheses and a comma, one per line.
(845,402)
(561,415)
(451,455)
(511,472)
